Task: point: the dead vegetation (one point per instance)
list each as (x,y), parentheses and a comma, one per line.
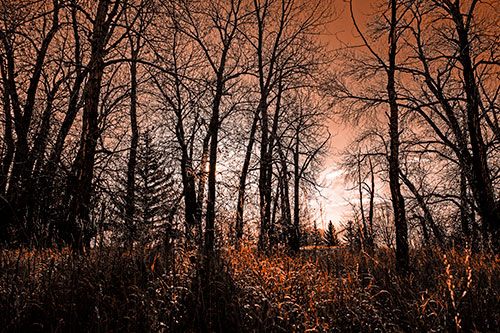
(324,291)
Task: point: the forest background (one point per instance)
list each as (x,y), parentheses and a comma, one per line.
(187,140)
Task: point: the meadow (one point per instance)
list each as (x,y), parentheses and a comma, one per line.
(318,290)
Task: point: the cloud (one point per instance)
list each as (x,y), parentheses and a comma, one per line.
(334,196)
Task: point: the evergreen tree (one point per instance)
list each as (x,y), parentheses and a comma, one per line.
(155,197)
(352,235)
(330,237)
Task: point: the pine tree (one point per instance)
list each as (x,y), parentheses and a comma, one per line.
(154,190)
(352,235)
(330,237)
(155,198)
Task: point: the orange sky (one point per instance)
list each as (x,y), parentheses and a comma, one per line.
(334,204)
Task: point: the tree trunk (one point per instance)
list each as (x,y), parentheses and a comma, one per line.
(190,202)
(242,182)
(266,164)
(132,159)
(364,230)
(79,186)
(273,230)
(202,182)
(212,181)
(32,171)
(425,209)
(20,173)
(8,139)
(484,194)
(286,211)
(398,204)
(464,208)
(5,209)
(265,169)
(16,200)
(370,239)
(295,242)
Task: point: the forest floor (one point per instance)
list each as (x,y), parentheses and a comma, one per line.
(322,290)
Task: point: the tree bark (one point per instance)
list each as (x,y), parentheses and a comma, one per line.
(8,139)
(212,181)
(19,173)
(265,169)
(425,209)
(286,212)
(464,208)
(79,186)
(364,230)
(134,141)
(295,241)
(398,204)
(484,194)
(372,205)
(242,182)
(14,208)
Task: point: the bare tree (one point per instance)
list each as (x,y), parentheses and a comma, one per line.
(214,32)
(360,172)
(394,18)
(281,27)
(452,64)
(80,181)
(307,142)
(136,41)
(20,98)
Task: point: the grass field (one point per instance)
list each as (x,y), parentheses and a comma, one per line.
(323,290)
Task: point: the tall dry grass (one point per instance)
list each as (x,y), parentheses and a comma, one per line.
(326,290)
(338,290)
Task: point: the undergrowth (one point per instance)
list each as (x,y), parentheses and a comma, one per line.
(324,290)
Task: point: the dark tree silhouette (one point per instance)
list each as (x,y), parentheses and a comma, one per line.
(330,237)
